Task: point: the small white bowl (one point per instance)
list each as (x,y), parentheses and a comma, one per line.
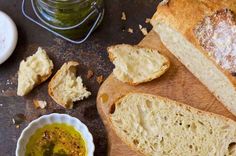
(50,119)
(8,36)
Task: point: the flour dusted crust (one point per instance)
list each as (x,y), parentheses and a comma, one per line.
(186,15)
(180,25)
(217,35)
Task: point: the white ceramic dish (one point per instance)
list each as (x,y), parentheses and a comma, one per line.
(8,37)
(50,119)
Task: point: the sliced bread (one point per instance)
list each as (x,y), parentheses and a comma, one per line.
(135,65)
(159,126)
(35,70)
(65,88)
(201,34)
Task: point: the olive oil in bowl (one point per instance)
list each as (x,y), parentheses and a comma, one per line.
(56,139)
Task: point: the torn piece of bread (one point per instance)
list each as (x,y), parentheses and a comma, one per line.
(65,88)
(157,126)
(135,65)
(35,70)
(202,35)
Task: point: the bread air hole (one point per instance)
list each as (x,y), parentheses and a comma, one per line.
(135,141)
(162,141)
(232,148)
(112,109)
(201,123)
(179,114)
(190,146)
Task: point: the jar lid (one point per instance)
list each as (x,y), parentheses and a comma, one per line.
(8,36)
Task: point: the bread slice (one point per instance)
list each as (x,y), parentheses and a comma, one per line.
(35,70)
(158,126)
(65,88)
(200,33)
(135,65)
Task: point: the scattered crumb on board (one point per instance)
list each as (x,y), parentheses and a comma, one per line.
(123,16)
(9,82)
(13,121)
(39,104)
(89,74)
(130,30)
(147,20)
(143,30)
(100,79)
(164,2)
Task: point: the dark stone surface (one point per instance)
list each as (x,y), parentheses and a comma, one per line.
(91,55)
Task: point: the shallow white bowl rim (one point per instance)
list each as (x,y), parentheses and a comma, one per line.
(11,37)
(54,118)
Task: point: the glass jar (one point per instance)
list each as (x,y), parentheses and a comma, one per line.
(72,19)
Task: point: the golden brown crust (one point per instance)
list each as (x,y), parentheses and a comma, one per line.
(112,58)
(185,15)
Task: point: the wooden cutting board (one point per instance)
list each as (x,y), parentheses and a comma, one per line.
(177,84)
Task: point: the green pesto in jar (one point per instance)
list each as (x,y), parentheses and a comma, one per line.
(56,140)
(65,13)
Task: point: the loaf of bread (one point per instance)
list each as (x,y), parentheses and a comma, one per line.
(35,70)
(157,126)
(65,88)
(135,65)
(202,35)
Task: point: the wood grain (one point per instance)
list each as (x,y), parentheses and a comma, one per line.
(177,84)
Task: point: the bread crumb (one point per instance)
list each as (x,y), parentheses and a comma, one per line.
(39,104)
(123,16)
(140,26)
(1,104)
(130,30)
(13,121)
(147,20)
(17,126)
(89,74)
(3,91)
(9,82)
(164,2)
(143,30)
(100,79)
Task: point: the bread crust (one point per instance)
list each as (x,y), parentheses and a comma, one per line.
(173,102)
(52,81)
(41,77)
(185,15)
(154,76)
